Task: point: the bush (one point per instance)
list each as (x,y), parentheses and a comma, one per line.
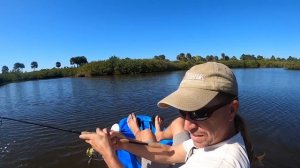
(293,65)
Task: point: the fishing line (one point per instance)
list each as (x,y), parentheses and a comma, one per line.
(41,125)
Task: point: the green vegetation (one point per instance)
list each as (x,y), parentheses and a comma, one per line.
(117,66)
(35,75)
(293,65)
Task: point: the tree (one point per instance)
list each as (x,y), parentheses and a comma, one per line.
(210,58)
(34,65)
(188,56)
(58,64)
(198,58)
(216,58)
(273,58)
(233,58)
(82,60)
(290,58)
(160,57)
(181,57)
(78,60)
(247,57)
(18,66)
(259,57)
(72,61)
(5,69)
(223,56)
(112,64)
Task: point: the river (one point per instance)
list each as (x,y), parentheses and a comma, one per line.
(270,104)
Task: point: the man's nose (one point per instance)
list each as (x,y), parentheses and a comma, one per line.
(189,124)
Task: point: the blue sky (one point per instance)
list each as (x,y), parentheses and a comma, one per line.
(48,31)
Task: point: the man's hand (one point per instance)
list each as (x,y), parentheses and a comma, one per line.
(99,140)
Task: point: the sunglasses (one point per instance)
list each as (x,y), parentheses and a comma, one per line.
(203,113)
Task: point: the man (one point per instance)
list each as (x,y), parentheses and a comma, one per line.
(207,99)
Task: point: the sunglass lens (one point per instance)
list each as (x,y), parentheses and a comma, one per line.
(199,115)
(182,113)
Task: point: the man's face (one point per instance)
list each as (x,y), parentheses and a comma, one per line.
(213,130)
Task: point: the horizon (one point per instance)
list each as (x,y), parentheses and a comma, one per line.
(54,31)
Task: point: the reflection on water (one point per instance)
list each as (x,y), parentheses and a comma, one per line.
(270,100)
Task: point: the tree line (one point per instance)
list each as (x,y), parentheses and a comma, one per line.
(81,60)
(224,57)
(18,67)
(159,63)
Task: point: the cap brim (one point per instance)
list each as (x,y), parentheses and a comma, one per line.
(188,99)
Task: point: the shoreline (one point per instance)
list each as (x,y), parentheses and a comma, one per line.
(134,66)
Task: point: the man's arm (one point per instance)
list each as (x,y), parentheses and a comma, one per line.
(156,152)
(112,161)
(102,142)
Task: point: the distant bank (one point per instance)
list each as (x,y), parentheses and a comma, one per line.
(117,66)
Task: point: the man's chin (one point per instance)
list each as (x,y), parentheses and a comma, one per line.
(199,142)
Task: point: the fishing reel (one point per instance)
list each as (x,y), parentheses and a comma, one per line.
(93,155)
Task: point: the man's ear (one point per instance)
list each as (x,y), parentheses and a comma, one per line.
(233,109)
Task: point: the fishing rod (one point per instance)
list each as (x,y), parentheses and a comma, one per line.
(42,125)
(67,130)
(91,153)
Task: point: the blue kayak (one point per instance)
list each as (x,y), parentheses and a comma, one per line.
(127,159)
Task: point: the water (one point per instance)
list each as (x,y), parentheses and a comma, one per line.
(270,100)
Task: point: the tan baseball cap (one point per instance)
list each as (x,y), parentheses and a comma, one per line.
(200,85)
